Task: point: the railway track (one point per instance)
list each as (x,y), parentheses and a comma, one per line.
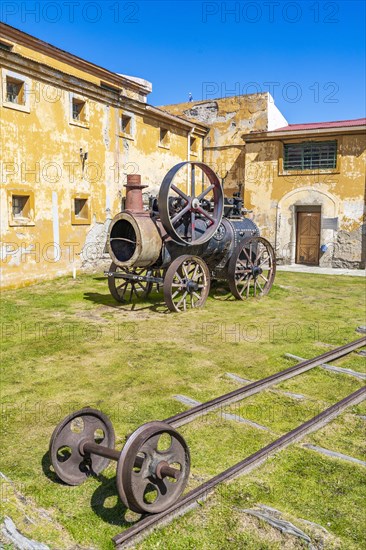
(255,387)
(146,525)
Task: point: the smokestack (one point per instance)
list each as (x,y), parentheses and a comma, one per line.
(134,193)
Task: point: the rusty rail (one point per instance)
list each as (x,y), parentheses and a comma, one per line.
(250,389)
(145,526)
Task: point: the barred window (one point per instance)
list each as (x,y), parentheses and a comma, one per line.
(311,155)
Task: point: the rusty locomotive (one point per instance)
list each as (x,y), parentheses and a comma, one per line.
(185,239)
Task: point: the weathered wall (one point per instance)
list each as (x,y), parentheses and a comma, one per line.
(274,195)
(41,147)
(228,119)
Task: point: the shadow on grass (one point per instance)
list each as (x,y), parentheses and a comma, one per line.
(107,505)
(156,306)
(219,291)
(48,472)
(105,501)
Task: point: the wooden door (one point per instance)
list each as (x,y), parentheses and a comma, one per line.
(308,238)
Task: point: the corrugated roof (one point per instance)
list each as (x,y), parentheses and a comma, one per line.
(315,125)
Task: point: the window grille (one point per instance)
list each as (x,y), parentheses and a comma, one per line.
(312,155)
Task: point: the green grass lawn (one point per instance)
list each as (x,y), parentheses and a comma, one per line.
(66,344)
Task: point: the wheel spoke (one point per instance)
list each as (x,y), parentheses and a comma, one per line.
(241,292)
(181,214)
(242,279)
(179,192)
(193,225)
(184,268)
(182,299)
(206,214)
(261,289)
(179,277)
(248,286)
(264,261)
(259,255)
(246,253)
(122,285)
(204,193)
(263,277)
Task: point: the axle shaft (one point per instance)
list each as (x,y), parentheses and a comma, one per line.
(162,470)
(91,447)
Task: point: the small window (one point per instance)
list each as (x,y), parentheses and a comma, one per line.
(193,145)
(126,124)
(21,208)
(78,109)
(15,91)
(164,139)
(81,208)
(311,155)
(80,214)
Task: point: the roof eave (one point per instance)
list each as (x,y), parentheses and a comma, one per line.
(279,135)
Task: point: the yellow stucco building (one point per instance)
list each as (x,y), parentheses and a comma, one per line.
(305,183)
(71,131)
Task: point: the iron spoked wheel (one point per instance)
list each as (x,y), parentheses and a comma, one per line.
(70,465)
(252,268)
(191,217)
(186,283)
(124,290)
(143,483)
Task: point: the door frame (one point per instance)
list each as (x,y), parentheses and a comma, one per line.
(310,209)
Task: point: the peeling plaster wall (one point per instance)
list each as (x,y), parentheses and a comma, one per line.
(41,155)
(228,118)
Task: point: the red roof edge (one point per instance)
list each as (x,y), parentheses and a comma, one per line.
(314,125)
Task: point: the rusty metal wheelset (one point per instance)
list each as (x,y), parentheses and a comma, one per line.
(152,469)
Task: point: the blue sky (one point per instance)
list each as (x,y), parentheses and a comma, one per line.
(311,55)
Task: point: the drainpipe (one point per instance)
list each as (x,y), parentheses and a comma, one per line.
(189,157)
(276,228)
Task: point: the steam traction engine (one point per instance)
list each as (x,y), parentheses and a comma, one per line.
(184,240)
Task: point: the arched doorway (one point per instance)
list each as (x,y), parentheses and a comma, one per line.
(301,230)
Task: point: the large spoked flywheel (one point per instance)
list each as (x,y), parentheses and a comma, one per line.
(191,208)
